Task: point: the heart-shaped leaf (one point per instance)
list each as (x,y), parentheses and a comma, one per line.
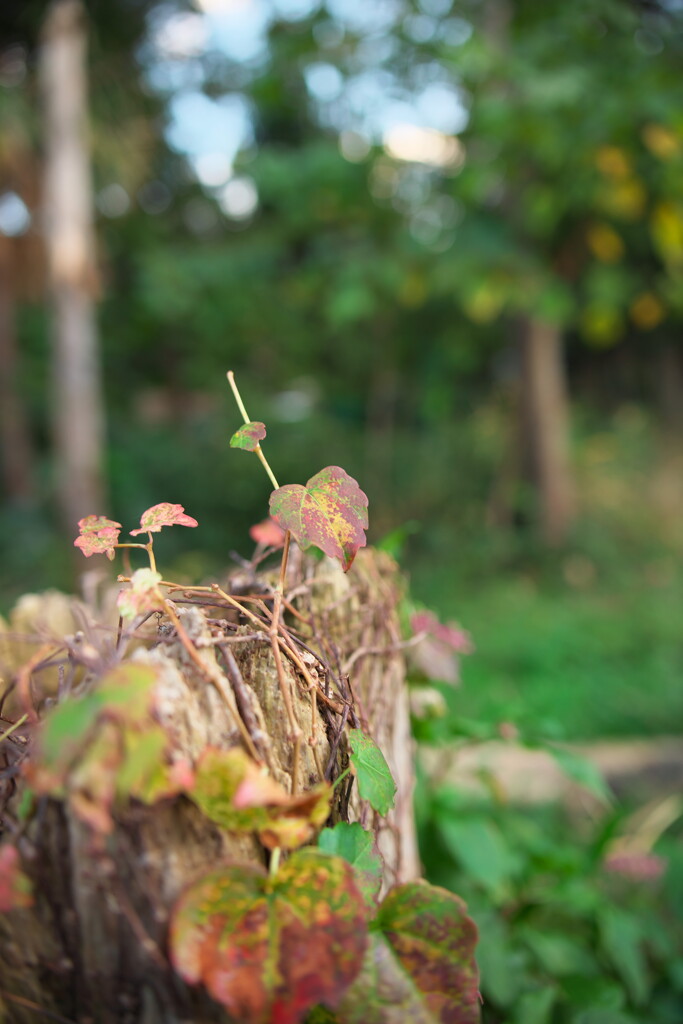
(330,512)
(241,797)
(268,949)
(355,845)
(375,781)
(247,437)
(419,965)
(15,887)
(97,536)
(164,514)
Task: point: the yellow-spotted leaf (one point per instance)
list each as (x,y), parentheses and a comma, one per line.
(268,949)
(330,512)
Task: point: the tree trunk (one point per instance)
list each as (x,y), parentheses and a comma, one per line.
(15,440)
(545,411)
(78,424)
(93,947)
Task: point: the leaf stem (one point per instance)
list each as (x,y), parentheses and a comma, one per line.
(245,416)
(274,862)
(15,725)
(340,777)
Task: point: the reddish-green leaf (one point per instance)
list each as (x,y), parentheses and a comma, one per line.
(164,514)
(268,949)
(375,781)
(357,846)
(97,536)
(241,797)
(248,436)
(15,887)
(330,512)
(420,965)
(105,746)
(268,533)
(142,596)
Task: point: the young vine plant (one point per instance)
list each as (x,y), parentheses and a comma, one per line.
(308,938)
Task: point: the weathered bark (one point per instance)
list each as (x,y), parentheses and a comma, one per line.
(94,945)
(546,421)
(78,423)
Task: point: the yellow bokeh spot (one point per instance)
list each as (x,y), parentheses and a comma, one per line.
(666,226)
(484,304)
(602,326)
(647,311)
(612,162)
(661,141)
(605,244)
(624,199)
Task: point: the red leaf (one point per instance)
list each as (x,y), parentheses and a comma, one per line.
(451,634)
(98,536)
(268,533)
(420,963)
(329,512)
(162,515)
(248,436)
(15,888)
(270,948)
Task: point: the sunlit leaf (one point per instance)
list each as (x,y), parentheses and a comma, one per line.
(419,966)
(241,797)
(267,533)
(330,512)
(375,781)
(15,887)
(248,436)
(268,949)
(142,596)
(97,536)
(164,514)
(357,846)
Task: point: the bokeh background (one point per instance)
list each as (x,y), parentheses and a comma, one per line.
(440,242)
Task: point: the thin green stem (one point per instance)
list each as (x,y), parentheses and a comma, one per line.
(245,416)
(238,398)
(8,732)
(340,777)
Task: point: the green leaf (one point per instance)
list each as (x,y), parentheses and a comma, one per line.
(330,512)
(583,771)
(269,949)
(622,940)
(481,849)
(247,437)
(241,797)
(375,781)
(355,845)
(420,965)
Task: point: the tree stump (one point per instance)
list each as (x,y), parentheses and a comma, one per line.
(93,946)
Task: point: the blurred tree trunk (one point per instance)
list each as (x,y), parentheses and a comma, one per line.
(78,425)
(15,441)
(545,420)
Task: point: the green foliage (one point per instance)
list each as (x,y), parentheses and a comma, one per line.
(357,846)
(375,782)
